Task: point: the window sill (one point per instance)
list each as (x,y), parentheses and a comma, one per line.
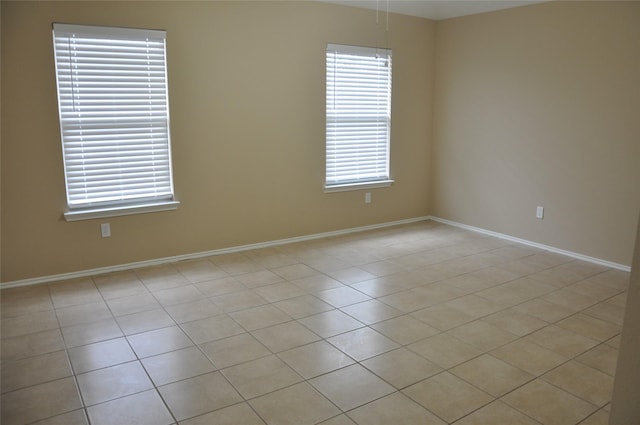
(357,186)
(89,214)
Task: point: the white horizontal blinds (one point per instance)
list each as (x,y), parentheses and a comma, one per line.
(114,115)
(358,114)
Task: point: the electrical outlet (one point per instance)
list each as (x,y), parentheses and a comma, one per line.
(367,198)
(105,230)
(540,213)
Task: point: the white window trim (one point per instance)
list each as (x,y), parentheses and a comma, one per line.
(91,142)
(358,186)
(382,179)
(88,214)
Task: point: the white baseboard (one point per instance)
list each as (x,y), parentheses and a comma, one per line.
(165,260)
(241,248)
(575,255)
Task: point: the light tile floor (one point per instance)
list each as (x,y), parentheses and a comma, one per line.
(415,324)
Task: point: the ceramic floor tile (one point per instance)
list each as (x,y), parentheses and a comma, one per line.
(482,335)
(303,306)
(161,277)
(401,367)
(89,333)
(199,395)
(34,370)
(443,316)
(234,350)
(259,317)
(351,387)
(259,278)
(101,354)
(83,313)
(408,301)
(279,291)
(133,304)
(222,286)
(76,417)
(212,328)
(119,284)
(394,409)
(299,404)
(515,322)
(602,357)
(362,343)
(491,375)
(29,323)
(338,420)
(195,310)
(405,329)
(40,401)
(562,341)
(447,396)
(239,300)
(176,365)
(494,275)
(145,408)
(238,414)
(372,311)
(601,417)
(544,310)
(285,336)
(29,345)
(537,329)
(74,292)
(343,296)
(529,357)
(159,341)
(381,286)
(331,323)
(571,300)
(113,382)
(582,381)
(236,264)
(444,350)
(261,376)
(173,296)
(593,290)
(315,359)
(144,321)
(548,404)
(199,270)
(351,275)
(317,283)
(294,271)
(614,278)
(496,413)
(607,311)
(590,327)
(25,300)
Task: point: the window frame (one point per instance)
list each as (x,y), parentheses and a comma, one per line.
(369,58)
(115,119)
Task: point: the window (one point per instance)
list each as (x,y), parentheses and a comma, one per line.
(358,117)
(114,120)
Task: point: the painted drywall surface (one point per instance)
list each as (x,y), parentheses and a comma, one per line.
(539,105)
(625,409)
(246,87)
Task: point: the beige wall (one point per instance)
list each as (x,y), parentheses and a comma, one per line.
(625,409)
(246,85)
(537,105)
(540,105)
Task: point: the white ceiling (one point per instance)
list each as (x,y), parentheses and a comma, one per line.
(436,9)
